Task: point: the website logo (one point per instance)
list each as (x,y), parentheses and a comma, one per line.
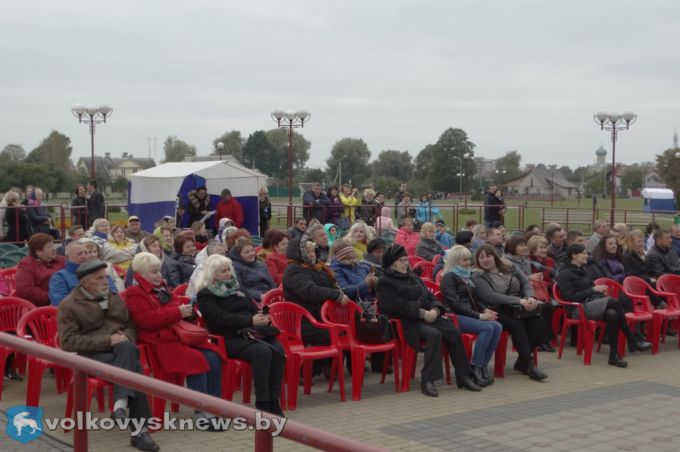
(24,423)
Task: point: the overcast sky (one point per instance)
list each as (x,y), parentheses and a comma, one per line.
(525,75)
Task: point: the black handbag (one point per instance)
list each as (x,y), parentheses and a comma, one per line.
(519,312)
(373,329)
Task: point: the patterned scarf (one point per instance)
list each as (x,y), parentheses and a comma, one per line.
(221,288)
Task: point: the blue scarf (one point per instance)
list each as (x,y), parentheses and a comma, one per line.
(463,273)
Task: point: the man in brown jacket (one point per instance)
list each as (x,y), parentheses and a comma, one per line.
(94,322)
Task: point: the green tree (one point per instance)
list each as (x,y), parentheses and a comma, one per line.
(13,152)
(634,178)
(176,149)
(393,164)
(54,150)
(387,185)
(279,140)
(423,163)
(668,167)
(566,172)
(233,145)
(120,185)
(508,167)
(259,153)
(451,147)
(354,155)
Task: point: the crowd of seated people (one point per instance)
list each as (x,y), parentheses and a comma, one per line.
(342,251)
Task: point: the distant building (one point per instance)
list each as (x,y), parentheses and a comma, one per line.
(125,166)
(539,181)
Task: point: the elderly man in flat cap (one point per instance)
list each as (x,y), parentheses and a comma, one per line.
(94,322)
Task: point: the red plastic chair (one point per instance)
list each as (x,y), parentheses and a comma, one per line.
(426,269)
(636,289)
(586,329)
(639,314)
(180,290)
(9,275)
(11,310)
(414,259)
(436,258)
(273,296)
(433,288)
(345,317)
(287,317)
(439,276)
(669,288)
(41,323)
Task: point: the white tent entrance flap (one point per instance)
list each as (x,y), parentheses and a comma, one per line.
(155,192)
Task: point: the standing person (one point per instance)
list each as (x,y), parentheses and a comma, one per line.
(38,215)
(315,204)
(265,210)
(79,206)
(349,198)
(399,197)
(335,208)
(95,323)
(405,209)
(424,210)
(199,205)
(18,227)
(229,207)
(95,203)
(489,206)
(367,210)
(501,206)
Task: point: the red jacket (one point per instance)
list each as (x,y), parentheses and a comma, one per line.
(33,278)
(154,327)
(276,264)
(229,209)
(408,240)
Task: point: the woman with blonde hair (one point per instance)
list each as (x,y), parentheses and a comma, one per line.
(122,249)
(474,316)
(428,247)
(227,311)
(358,236)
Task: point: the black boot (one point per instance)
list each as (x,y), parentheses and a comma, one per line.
(275,408)
(535,373)
(521,366)
(478,377)
(428,389)
(467,384)
(639,346)
(488,376)
(616,360)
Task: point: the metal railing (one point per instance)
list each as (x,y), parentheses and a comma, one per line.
(264,442)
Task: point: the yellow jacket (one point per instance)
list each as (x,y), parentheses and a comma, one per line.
(350,202)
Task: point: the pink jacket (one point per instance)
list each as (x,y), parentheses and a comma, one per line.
(384,221)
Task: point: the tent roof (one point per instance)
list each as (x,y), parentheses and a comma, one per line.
(217,169)
(658,193)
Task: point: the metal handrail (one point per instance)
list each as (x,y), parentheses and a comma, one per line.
(294,431)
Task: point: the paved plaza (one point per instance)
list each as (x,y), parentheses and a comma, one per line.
(590,408)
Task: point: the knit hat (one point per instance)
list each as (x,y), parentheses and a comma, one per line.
(347,252)
(392,254)
(376,244)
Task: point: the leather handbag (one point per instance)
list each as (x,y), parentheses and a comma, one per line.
(373,329)
(190,334)
(519,312)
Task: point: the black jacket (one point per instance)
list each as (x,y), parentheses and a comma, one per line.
(196,205)
(95,207)
(225,316)
(315,207)
(459,297)
(308,288)
(634,265)
(575,283)
(660,262)
(368,211)
(265,211)
(402,296)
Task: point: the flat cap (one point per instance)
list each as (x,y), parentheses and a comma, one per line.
(89,267)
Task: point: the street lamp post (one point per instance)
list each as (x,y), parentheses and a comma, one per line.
(91,116)
(460,174)
(290,119)
(220,148)
(552,188)
(614,122)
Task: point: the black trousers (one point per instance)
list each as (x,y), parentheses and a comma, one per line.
(432,366)
(526,334)
(268,367)
(615,317)
(125,356)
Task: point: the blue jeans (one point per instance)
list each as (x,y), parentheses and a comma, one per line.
(209,382)
(488,334)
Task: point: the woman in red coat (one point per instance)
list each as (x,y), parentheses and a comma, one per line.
(407,237)
(154,312)
(277,260)
(35,270)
